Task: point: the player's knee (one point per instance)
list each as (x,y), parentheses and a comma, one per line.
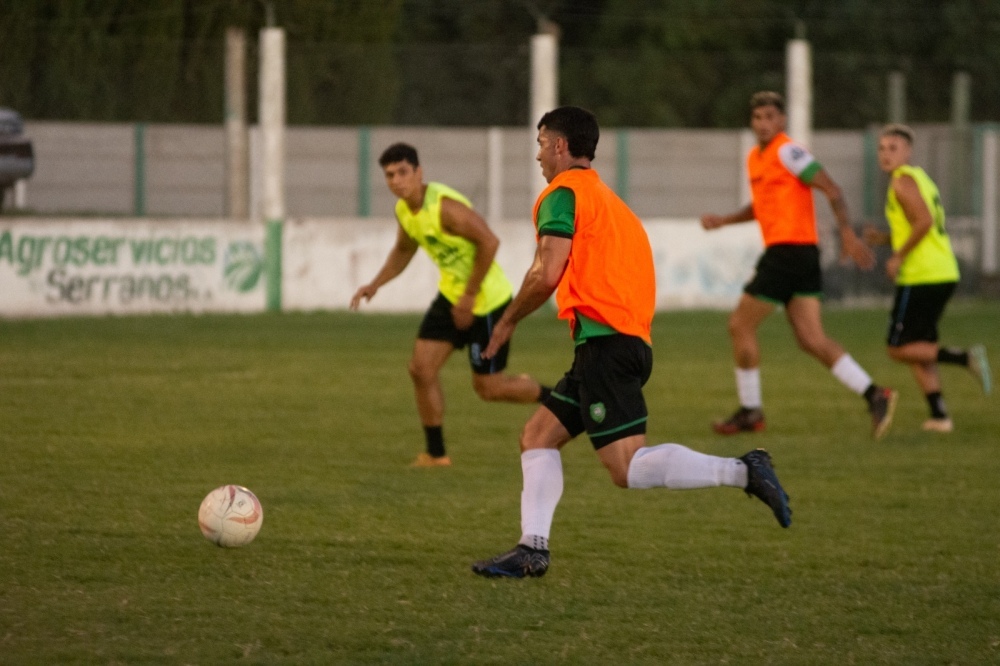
(814,345)
(419,372)
(619,474)
(619,479)
(533,437)
(735,326)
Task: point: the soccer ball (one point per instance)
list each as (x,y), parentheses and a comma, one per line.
(230,516)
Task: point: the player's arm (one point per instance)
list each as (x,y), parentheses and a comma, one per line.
(917,214)
(458,219)
(541,280)
(850,245)
(399,258)
(711,221)
(875,236)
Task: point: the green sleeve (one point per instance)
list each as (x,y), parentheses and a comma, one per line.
(810,172)
(556,213)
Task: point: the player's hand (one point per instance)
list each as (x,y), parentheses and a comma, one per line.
(502,333)
(892,266)
(873,236)
(366,292)
(851,247)
(461,312)
(710,221)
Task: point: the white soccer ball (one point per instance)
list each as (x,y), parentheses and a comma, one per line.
(230,516)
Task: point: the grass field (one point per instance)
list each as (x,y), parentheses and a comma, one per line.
(112,431)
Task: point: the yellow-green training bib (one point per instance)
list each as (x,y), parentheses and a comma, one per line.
(453,255)
(932,260)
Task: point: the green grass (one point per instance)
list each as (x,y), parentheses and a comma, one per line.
(112,431)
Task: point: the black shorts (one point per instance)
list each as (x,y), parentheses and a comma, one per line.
(787,271)
(438,325)
(602,393)
(916,311)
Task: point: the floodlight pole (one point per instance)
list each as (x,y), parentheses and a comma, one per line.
(237,144)
(544,89)
(991,223)
(897,97)
(272,129)
(798,73)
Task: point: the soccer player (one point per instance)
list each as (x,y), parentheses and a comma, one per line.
(782,175)
(925,271)
(473,293)
(594,254)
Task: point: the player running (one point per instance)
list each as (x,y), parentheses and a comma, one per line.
(925,270)
(594,254)
(782,175)
(473,293)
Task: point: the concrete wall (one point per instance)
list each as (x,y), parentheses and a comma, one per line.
(90,168)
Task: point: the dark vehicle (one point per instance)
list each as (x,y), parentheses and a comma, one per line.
(17,157)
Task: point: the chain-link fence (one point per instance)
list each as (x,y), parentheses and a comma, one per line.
(127,78)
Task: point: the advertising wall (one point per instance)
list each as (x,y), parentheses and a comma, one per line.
(131,266)
(89,267)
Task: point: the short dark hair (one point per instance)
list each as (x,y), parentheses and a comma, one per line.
(898,129)
(399,152)
(767,98)
(579,126)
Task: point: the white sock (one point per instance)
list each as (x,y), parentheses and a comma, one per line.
(748,387)
(543,486)
(679,468)
(850,374)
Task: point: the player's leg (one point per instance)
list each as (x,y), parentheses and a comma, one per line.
(489,380)
(974,359)
(541,468)
(744,321)
(677,467)
(921,357)
(552,425)
(917,320)
(913,340)
(429,356)
(437,338)
(502,387)
(805,316)
(614,370)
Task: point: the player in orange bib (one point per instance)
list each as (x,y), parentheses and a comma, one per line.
(594,254)
(782,177)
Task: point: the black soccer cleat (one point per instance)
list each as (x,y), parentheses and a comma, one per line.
(882,406)
(520,562)
(742,420)
(763,483)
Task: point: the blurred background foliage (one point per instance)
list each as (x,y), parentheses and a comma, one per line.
(638,63)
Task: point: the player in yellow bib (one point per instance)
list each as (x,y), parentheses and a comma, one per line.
(925,271)
(472,294)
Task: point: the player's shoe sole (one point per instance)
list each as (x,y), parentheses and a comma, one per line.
(520,562)
(938,425)
(427,460)
(979,365)
(763,484)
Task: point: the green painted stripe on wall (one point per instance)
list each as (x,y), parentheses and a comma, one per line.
(621,164)
(364,182)
(139,171)
(272,264)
